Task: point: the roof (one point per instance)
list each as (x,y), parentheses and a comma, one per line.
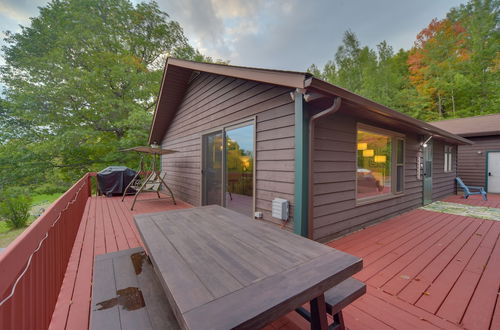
(178,73)
(471,126)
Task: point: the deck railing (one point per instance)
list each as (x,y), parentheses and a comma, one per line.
(32,267)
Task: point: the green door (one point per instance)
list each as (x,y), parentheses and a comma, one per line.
(428,173)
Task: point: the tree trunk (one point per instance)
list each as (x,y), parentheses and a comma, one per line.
(440,110)
(453,102)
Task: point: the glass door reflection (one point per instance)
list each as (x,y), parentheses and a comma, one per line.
(239,169)
(212,168)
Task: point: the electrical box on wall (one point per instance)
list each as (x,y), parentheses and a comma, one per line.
(280,209)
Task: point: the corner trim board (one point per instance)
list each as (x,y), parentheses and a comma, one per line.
(301,166)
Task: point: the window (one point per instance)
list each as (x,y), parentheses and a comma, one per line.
(448,158)
(400,162)
(380,162)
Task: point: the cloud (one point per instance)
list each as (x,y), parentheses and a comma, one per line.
(213,26)
(13,13)
(20,10)
(281,34)
(236,8)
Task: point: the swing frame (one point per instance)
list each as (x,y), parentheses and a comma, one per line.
(154,179)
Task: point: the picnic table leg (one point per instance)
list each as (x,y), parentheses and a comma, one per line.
(318,313)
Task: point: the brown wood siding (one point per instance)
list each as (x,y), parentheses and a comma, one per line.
(334,167)
(471,164)
(443,183)
(212,101)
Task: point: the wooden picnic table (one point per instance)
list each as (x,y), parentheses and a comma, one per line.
(223,270)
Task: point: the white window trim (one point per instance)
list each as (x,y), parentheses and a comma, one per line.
(448,158)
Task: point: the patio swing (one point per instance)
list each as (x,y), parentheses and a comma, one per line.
(148,181)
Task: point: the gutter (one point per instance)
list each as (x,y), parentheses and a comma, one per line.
(324,113)
(324,87)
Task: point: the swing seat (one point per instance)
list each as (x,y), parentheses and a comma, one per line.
(152,181)
(154,185)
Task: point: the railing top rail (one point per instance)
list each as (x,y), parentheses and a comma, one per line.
(14,258)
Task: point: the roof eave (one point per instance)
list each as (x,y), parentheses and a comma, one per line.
(323,86)
(155,113)
(275,77)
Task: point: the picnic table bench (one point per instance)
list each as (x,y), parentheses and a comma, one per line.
(222,270)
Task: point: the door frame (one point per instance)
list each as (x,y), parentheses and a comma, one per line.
(202,158)
(425,155)
(223,128)
(487,165)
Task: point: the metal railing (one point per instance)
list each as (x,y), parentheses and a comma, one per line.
(32,267)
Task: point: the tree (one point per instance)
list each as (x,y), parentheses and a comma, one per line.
(379,75)
(82,79)
(453,65)
(14,207)
(452,70)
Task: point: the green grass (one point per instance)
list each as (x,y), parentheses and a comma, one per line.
(45,198)
(8,234)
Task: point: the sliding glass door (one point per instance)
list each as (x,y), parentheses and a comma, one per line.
(212,168)
(228,168)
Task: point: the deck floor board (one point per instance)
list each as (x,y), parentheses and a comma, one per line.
(107,226)
(454,259)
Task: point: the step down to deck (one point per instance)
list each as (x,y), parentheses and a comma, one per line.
(126,294)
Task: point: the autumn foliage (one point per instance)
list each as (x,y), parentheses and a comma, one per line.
(451,71)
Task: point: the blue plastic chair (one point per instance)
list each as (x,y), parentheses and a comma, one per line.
(468,192)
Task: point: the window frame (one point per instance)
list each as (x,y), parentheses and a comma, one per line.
(448,158)
(394,138)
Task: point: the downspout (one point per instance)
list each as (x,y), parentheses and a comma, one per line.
(326,112)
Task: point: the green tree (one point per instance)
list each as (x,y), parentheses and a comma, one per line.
(379,75)
(453,70)
(15,204)
(81,83)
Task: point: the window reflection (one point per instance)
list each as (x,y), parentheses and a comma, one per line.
(239,169)
(373,164)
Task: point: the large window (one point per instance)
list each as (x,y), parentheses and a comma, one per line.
(380,163)
(448,158)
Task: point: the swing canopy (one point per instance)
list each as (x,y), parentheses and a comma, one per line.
(151,150)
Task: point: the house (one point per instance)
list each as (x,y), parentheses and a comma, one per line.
(479,163)
(246,136)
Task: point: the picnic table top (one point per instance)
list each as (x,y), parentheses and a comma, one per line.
(221,269)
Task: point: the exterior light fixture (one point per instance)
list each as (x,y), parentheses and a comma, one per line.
(426,141)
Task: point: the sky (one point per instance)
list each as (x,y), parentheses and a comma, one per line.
(277,34)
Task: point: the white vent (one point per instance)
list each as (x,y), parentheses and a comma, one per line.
(280,209)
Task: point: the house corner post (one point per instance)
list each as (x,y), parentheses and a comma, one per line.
(301,165)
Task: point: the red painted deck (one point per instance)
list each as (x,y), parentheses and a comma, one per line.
(424,270)
(427,270)
(107,226)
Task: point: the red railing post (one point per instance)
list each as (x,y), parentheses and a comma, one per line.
(34,264)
